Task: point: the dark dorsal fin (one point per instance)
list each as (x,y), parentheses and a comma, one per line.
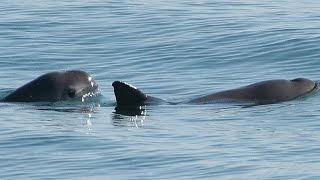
(128,95)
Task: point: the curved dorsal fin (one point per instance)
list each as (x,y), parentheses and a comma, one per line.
(128,95)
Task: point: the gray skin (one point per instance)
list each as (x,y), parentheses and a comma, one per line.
(265,92)
(53,87)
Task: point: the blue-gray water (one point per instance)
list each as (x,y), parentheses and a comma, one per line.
(174,50)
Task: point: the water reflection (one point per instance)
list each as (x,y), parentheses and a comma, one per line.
(129,117)
(131,111)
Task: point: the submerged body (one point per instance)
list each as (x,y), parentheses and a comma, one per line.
(265,92)
(53,87)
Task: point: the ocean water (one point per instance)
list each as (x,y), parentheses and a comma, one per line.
(174,50)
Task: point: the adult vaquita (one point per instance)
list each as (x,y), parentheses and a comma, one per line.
(55,86)
(265,92)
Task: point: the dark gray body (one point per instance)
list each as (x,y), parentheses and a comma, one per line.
(53,87)
(264,92)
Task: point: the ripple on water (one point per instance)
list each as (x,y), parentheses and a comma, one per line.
(173,50)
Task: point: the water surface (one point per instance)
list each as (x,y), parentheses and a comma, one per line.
(172,50)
